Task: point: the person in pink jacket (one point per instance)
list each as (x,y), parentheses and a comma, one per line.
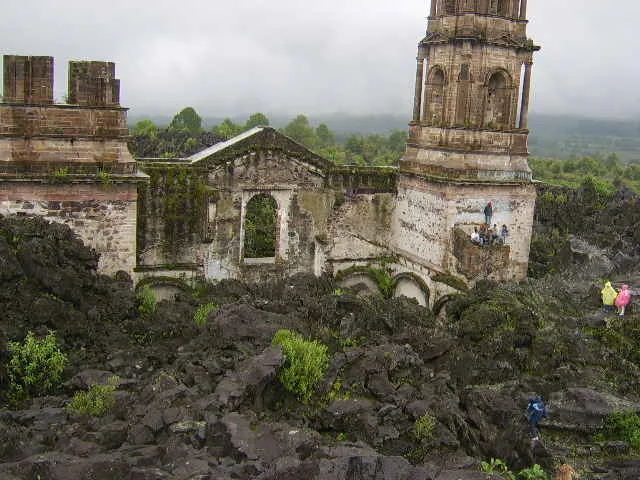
(623,299)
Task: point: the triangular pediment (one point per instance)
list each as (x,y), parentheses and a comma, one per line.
(254,140)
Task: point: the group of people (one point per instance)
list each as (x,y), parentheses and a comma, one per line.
(489,235)
(611,298)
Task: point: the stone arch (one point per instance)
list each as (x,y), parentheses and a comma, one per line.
(442,302)
(358,278)
(412,286)
(165,288)
(498,91)
(436,80)
(260,227)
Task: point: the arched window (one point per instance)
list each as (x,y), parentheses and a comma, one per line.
(435,97)
(498,102)
(260,223)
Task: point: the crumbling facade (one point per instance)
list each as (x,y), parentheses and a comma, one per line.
(70,162)
(402,230)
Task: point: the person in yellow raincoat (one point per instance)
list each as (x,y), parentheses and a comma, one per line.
(609,295)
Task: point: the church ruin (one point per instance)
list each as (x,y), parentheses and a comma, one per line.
(197,217)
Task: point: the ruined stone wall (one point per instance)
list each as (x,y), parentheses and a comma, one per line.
(70,163)
(360,229)
(324,217)
(428,213)
(102,216)
(172,216)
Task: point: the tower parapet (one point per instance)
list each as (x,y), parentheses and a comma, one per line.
(69,162)
(28,79)
(472,92)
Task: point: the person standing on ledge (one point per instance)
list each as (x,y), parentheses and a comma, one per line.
(488,213)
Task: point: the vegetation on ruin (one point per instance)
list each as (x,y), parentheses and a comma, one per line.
(306,363)
(36,367)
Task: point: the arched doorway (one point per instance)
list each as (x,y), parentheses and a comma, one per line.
(260,227)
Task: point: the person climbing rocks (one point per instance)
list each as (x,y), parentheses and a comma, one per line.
(623,299)
(609,296)
(536,411)
(488,213)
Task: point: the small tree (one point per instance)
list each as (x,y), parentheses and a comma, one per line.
(187,119)
(36,367)
(256,120)
(227,129)
(300,130)
(146,128)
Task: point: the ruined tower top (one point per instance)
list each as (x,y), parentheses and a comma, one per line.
(472,92)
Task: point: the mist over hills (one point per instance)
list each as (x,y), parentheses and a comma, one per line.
(552,136)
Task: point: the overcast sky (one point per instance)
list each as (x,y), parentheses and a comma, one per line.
(227,57)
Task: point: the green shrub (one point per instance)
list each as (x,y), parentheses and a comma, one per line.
(425,427)
(624,426)
(533,473)
(306,363)
(147,300)
(498,467)
(36,367)
(97,401)
(201,315)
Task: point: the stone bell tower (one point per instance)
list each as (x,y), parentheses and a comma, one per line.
(468,138)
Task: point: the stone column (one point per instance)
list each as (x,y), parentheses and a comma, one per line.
(523,10)
(433,8)
(526,89)
(418,97)
(425,92)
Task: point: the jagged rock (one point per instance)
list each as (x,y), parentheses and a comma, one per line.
(88,378)
(150,474)
(58,466)
(584,409)
(246,439)
(250,379)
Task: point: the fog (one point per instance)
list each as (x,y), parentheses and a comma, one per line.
(293,56)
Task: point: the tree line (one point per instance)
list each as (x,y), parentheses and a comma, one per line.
(606,170)
(185,136)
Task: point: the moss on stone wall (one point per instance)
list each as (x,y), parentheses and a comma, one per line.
(173,207)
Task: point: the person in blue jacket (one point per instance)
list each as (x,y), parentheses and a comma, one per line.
(536,411)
